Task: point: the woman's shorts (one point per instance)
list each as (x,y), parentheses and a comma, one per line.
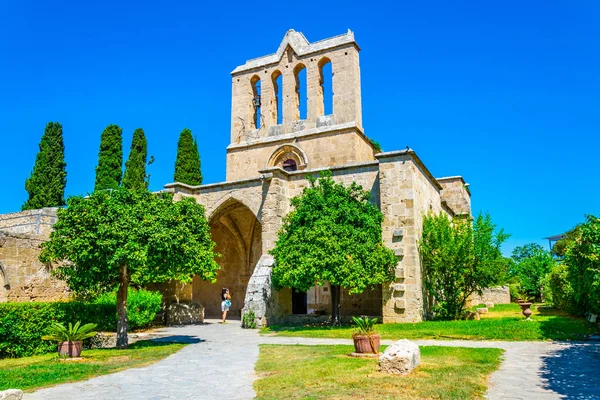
(224,307)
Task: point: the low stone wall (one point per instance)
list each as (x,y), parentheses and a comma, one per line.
(496,295)
(38,222)
(22,276)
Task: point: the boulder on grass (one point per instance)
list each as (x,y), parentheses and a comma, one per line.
(482,310)
(400,358)
(470,315)
(489,304)
(11,394)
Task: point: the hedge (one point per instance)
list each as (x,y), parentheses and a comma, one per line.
(23,324)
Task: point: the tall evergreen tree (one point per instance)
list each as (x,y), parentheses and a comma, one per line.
(46,185)
(187,164)
(110,159)
(135,168)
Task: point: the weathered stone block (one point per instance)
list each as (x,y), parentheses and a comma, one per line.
(398,232)
(400,304)
(400,358)
(482,310)
(489,304)
(399,287)
(185,313)
(11,394)
(472,316)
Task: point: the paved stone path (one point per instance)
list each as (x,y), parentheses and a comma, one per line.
(219,363)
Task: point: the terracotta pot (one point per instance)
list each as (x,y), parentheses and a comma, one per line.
(367,344)
(70,349)
(526,310)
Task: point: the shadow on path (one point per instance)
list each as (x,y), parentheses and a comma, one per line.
(187,339)
(573,371)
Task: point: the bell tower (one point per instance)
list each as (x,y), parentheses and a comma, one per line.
(276,122)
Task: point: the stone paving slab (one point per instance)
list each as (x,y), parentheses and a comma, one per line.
(219,363)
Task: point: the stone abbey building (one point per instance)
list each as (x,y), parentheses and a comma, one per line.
(273,148)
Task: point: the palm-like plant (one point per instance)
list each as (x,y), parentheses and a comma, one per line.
(365,326)
(74,333)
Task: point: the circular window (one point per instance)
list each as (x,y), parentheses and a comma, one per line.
(290,165)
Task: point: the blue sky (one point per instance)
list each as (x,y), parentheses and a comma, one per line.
(505,94)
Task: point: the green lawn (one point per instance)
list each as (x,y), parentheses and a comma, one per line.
(47,370)
(326,372)
(504,322)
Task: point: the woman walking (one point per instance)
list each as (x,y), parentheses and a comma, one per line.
(225,303)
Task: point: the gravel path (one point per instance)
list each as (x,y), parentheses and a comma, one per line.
(219,363)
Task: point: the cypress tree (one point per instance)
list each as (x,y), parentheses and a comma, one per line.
(135,168)
(187,164)
(110,159)
(46,185)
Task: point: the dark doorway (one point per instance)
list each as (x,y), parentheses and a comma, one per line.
(299,304)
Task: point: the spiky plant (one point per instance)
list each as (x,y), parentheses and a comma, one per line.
(74,333)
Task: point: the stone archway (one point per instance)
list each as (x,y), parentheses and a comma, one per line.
(237,234)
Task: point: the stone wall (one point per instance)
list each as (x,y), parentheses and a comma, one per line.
(38,222)
(456,194)
(22,275)
(496,295)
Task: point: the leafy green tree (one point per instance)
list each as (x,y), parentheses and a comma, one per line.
(333,236)
(583,262)
(112,239)
(560,247)
(135,176)
(187,164)
(46,185)
(532,264)
(459,258)
(110,159)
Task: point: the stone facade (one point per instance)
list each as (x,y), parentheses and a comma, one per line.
(22,276)
(273,148)
(268,160)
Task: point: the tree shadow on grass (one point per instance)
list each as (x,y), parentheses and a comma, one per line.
(559,326)
(573,371)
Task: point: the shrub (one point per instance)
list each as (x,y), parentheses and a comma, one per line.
(22,325)
(583,262)
(142,306)
(459,258)
(560,289)
(249,320)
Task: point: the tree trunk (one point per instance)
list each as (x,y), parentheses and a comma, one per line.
(335,304)
(122,340)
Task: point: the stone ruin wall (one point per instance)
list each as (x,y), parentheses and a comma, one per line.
(37,222)
(496,295)
(22,275)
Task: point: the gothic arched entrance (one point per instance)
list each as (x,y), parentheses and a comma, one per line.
(237,234)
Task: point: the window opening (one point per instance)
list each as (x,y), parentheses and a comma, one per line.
(256,103)
(290,165)
(301,94)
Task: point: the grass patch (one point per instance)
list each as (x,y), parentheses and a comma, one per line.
(503,322)
(326,372)
(48,370)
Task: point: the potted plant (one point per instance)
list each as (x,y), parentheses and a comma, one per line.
(70,339)
(366,339)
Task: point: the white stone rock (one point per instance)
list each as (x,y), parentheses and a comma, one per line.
(400,358)
(11,394)
(489,304)
(482,310)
